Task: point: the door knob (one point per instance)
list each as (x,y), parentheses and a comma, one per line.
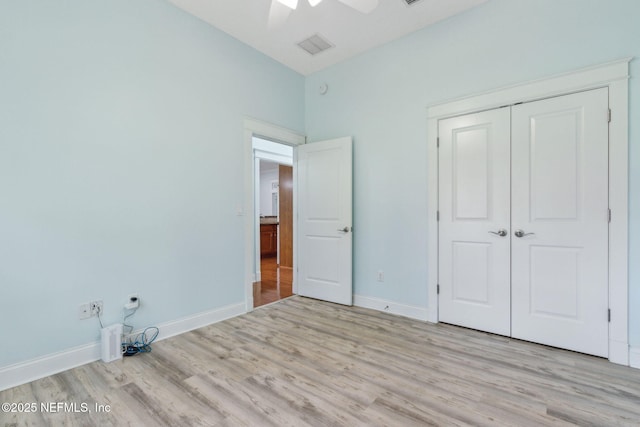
(502,232)
(521,233)
(344,230)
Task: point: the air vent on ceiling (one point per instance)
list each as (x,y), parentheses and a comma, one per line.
(410,2)
(315,44)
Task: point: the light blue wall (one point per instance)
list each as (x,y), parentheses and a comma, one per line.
(121,148)
(121,153)
(381,97)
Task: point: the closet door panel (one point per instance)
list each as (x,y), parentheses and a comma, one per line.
(560,222)
(474,211)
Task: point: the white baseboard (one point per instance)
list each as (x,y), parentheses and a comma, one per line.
(50,364)
(186,324)
(34,369)
(634,357)
(413,312)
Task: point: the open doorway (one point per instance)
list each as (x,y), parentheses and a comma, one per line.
(322,212)
(248,208)
(273,197)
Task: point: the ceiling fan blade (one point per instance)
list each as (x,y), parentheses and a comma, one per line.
(364,6)
(292,4)
(278,14)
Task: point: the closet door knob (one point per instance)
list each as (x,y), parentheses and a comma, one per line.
(521,233)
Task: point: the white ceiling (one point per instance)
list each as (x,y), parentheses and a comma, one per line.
(350,32)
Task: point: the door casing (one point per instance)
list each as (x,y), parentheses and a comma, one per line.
(614,76)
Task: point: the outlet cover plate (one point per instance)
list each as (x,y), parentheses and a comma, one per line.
(84,311)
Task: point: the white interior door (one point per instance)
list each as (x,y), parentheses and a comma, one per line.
(546,279)
(560,203)
(474,243)
(324,223)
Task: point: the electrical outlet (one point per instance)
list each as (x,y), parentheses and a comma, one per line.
(133,302)
(84,311)
(95,308)
(380,276)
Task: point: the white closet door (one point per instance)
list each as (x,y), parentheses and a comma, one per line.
(560,203)
(474,175)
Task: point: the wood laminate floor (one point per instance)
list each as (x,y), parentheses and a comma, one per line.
(302,362)
(276,284)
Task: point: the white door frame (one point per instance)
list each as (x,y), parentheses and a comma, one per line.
(613,75)
(257,128)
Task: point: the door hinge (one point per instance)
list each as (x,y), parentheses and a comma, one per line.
(609,115)
(437,215)
(609,315)
(438,289)
(438,142)
(609,215)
